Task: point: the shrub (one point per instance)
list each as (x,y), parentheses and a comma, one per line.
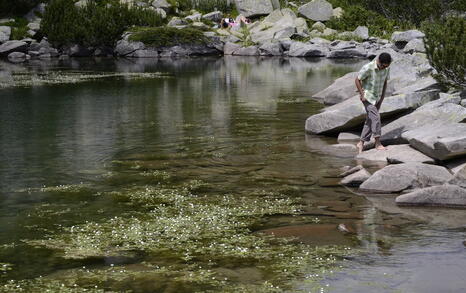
(167,36)
(96,24)
(445,41)
(19,28)
(355,16)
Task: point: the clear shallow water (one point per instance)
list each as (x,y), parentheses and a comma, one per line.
(235,124)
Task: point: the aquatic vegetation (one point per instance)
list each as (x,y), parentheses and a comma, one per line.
(41,285)
(206,230)
(28,79)
(5,267)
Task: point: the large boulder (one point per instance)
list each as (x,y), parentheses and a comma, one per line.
(215,16)
(402,38)
(17,57)
(362,32)
(407,36)
(399,177)
(444,196)
(280,24)
(13,46)
(298,49)
(395,154)
(431,114)
(351,113)
(163,4)
(271,49)
(317,10)
(247,51)
(5,32)
(348,53)
(414,46)
(230,48)
(440,140)
(460,177)
(341,89)
(125,48)
(252,8)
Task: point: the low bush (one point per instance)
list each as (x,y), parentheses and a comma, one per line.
(167,36)
(204,6)
(19,28)
(445,43)
(355,16)
(96,24)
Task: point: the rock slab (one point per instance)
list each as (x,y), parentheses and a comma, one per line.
(399,177)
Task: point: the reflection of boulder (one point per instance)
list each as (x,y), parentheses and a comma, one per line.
(444,196)
(451,219)
(314,234)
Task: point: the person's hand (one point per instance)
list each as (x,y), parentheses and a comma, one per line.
(362,98)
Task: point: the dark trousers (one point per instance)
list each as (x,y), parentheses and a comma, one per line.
(372,125)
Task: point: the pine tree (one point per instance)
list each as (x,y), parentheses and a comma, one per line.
(445,43)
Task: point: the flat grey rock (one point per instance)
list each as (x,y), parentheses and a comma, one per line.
(298,49)
(247,51)
(351,171)
(431,114)
(396,178)
(460,177)
(13,46)
(348,137)
(440,140)
(443,196)
(348,53)
(356,179)
(351,113)
(395,154)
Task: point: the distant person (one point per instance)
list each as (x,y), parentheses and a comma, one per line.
(372,84)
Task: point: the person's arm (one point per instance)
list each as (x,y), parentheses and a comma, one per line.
(379,103)
(360,90)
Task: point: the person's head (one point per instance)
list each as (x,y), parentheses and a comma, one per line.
(384,60)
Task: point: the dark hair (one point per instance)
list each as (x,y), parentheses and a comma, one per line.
(385,58)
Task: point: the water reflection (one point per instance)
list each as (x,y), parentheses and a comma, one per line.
(52,135)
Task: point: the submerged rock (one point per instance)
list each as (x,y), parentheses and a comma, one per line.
(445,196)
(399,177)
(357,178)
(314,234)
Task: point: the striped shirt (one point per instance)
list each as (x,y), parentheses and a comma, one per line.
(373,79)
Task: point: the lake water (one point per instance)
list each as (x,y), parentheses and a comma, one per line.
(171,175)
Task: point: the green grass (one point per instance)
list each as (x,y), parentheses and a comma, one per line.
(167,36)
(19,28)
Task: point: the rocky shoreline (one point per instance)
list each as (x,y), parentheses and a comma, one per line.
(425,161)
(423,127)
(282,32)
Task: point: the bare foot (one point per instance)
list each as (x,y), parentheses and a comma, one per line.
(381,148)
(360,146)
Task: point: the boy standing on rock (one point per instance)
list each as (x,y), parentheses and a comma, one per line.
(372,83)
